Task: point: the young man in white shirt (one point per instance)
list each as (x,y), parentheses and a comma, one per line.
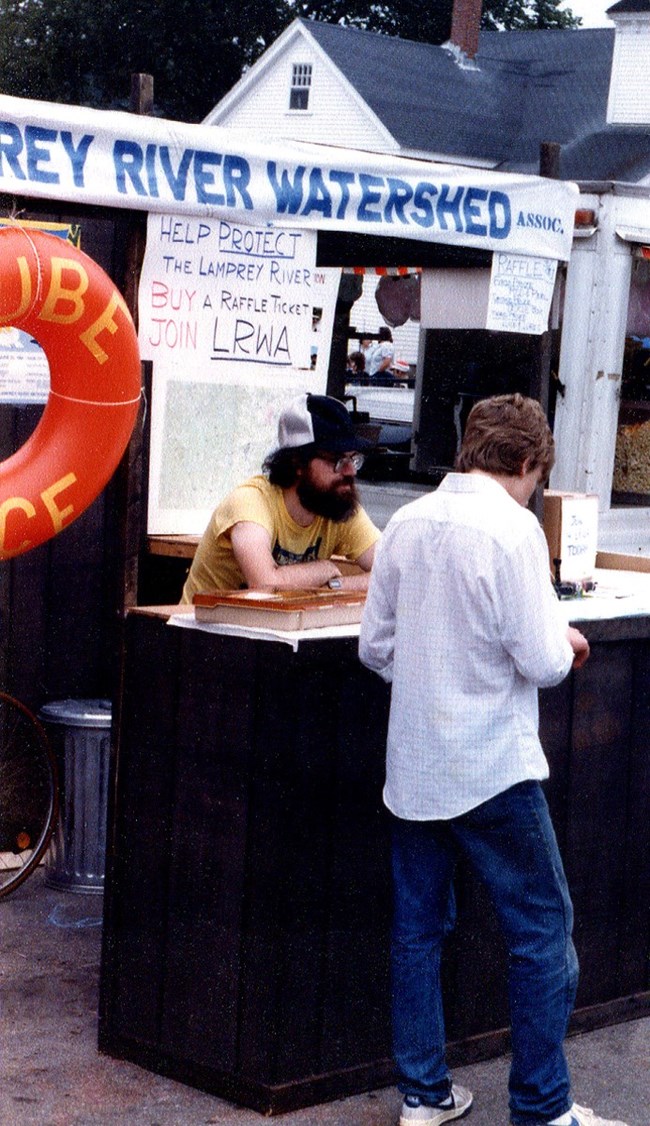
(462,620)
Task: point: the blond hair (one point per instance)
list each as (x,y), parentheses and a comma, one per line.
(505,432)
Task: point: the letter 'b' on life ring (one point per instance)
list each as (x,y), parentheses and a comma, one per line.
(63,299)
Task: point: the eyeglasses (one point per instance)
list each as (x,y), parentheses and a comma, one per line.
(356,460)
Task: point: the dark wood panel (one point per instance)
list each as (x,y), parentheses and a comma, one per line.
(289,832)
(597,807)
(634,933)
(355,1013)
(248,906)
(137,915)
(208,851)
(23,587)
(555,724)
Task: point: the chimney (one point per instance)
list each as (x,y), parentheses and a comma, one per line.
(465,24)
(629,91)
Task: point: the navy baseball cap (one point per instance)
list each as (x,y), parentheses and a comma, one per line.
(319,420)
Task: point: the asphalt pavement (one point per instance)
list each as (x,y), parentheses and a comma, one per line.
(51,1073)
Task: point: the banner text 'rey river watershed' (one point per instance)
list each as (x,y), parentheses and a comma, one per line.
(363,192)
(40,155)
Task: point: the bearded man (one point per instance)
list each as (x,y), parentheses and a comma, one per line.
(279,530)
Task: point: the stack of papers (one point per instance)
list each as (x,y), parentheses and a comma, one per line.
(618,594)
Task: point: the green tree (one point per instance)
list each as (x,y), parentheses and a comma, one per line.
(84,52)
(512,15)
(431,23)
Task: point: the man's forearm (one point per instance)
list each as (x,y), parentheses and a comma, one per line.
(296,575)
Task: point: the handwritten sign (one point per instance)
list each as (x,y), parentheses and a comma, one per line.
(571,529)
(223,292)
(521,291)
(579,533)
(237,320)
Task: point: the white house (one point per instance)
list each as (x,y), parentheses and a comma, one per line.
(586,90)
(492,100)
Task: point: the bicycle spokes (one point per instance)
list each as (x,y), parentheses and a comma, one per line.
(28,793)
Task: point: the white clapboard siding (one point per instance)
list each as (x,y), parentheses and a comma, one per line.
(629,90)
(334,116)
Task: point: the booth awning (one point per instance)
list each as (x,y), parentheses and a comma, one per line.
(58,152)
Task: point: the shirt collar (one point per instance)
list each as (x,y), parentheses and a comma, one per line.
(472,483)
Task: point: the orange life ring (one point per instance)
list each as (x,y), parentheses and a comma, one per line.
(69,305)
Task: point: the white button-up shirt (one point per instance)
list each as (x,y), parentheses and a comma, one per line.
(461,617)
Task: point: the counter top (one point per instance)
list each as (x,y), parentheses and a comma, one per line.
(163,612)
(181,547)
(618,609)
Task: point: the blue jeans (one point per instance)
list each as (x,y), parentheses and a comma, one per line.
(510,843)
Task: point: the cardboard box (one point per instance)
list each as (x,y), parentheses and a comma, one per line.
(571,529)
(615,561)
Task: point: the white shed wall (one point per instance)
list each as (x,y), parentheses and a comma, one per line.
(629,92)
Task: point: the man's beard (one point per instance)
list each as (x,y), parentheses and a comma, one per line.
(329,503)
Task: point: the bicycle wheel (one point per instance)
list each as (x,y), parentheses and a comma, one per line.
(28,793)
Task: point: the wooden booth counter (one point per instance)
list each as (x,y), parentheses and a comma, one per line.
(247,901)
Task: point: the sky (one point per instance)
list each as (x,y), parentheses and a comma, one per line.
(591,12)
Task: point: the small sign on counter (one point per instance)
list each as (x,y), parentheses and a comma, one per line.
(571,529)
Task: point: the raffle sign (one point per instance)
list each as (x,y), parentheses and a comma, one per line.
(228,292)
(521,291)
(231,317)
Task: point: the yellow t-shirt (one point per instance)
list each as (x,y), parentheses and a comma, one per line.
(214,566)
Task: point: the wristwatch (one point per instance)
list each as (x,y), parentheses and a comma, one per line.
(334,584)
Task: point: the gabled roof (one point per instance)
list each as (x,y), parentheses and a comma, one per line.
(616,152)
(528,87)
(524,88)
(629,6)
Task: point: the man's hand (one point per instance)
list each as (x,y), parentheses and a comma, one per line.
(580,646)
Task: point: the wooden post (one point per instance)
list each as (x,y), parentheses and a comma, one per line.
(350,288)
(131,484)
(549,167)
(141,94)
(549,160)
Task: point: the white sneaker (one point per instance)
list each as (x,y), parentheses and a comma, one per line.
(584,1116)
(457,1106)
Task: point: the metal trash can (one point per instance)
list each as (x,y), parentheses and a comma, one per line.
(79,731)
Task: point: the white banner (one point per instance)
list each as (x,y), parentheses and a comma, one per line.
(59,152)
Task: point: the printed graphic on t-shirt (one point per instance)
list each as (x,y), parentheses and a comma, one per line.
(283,557)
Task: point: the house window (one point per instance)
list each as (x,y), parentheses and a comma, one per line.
(300,86)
